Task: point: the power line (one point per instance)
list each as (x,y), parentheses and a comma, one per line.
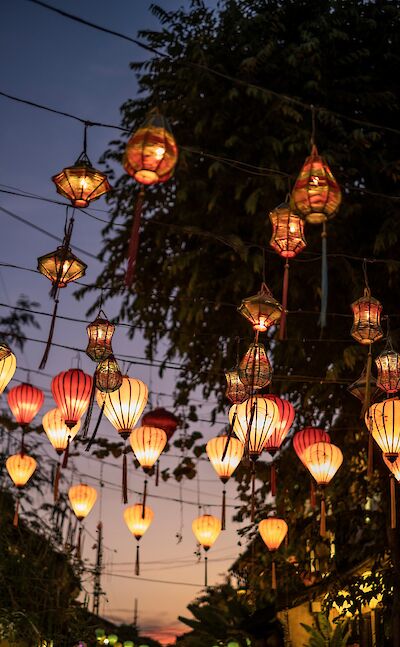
(147,579)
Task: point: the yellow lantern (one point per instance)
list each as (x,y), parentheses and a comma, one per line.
(8,365)
(124,407)
(256,420)
(57,431)
(20,468)
(255,370)
(147,444)
(138,519)
(206,529)
(383,421)
(273,531)
(261,310)
(224,462)
(82,498)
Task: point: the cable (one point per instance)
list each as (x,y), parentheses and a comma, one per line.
(147,579)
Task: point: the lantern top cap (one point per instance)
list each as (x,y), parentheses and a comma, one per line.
(5,350)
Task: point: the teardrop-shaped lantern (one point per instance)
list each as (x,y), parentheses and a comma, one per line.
(261,310)
(316,195)
(124,407)
(256,419)
(359,387)
(81,183)
(8,365)
(162,419)
(206,529)
(287,231)
(255,370)
(307,437)
(57,431)
(82,498)
(273,531)
(367,311)
(147,444)
(20,468)
(234,453)
(25,401)
(388,367)
(285,421)
(71,391)
(108,375)
(100,333)
(383,421)
(236,391)
(136,521)
(151,153)
(72,267)
(393,466)
(323,461)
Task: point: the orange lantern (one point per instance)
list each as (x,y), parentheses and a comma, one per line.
(273,531)
(25,401)
(255,370)
(82,498)
(316,195)
(236,391)
(66,267)
(20,468)
(287,231)
(383,421)
(306,437)
(261,310)
(8,365)
(71,391)
(225,454)
(286,417)
(206,529)
(100,333)
(388,367)
(57,431)
(124,407)
(256,420)
(108,375)
(138,523)
(367,311)
(147,444)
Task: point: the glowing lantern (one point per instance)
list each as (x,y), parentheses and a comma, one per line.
(316,195)
(383,421)
(273,531)
(162,419)
(255,370)
(61,267)
(261,310)
(20,468)
(138,523)
(124,407)
(287,231)
(236,391)
(225,455)
(25,401)
(388,366)
(71,391)
(108,375)
(306,437)
(82,498)
(256,419)
(366,327)
(286,417)
(206,529)
(8,365)
(100,333)
(57,431)
(147,444)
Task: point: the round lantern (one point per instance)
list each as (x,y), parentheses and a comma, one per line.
(72,268)
(71,391)
(225,455)
(388,367)
(25,401)
(20,468)
(124,407)
(255,421)
(81,183)
(261,310)
(100,333)
(147,444)
(236,391)
(306,437)
(151,153)
(57,431)
(323,461)
(285,421)
(8,365)
(287,231)
(383,421)
(82,498)
(108,375)
(138,520)
(367,311)
(255,370)
(162,419)
(316,195)
(206,529)
(273,531)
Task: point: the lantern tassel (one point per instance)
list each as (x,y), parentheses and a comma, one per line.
(223,510)
(253,491)
(273,479)
(157,473)
(16,513)
(89,411)
(324,278)
(285,288)
(66,454)
(322,525)
(95,430)
(392,503)
(134,240)
(137,562)
(368,371)
(79,543)
(273,576)
(229,436)
(124,478)
(144,498)
(205,570)
(56,482)
(43,362)
(313,497)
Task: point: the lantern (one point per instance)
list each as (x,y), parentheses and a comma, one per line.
(287,231)
(285,421)
(261,310)
(62,265)
(273,531)
(81,183)
(162,419)
(394,466)
(5,350)
(383,421)
(358,388)
(8,365)
(225,454)
(255,370)
(25,401)
(124,407)
(20,468)
(108,375)
(388,366)
(366,327)
(308,436)
(236,391)
(316,195)
(82,498)
(57,431)
(151,153)
(138,523)
(147,444)
(256,419)
(206,529)
(100,333)
(71,391)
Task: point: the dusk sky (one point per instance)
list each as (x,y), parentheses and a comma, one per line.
(53,61)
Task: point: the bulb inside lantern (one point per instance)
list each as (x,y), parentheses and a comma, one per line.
(261,325)
(159,152)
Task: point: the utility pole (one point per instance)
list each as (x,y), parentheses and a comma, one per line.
(97,592)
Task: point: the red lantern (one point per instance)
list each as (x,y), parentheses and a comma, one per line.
(25,401)
(308,436)
(162,419)
(286,417)
(71,392)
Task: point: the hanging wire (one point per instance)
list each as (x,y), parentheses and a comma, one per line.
(313,125)
(365,273)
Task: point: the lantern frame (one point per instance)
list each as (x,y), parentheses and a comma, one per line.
(255,369)
(81,183)
(358,388)
(363,329)
(73,268)
(262,310)
(108,375)
(388,367)
(100,333)
(287,237)
(235,391)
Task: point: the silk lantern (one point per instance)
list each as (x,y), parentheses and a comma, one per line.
(224,463)
(206,529)
(383,421)
(261,310)
(25,401)
(20,468)
(273,531)
(8,365)
(82,498)
(236,391)
(147,444)
(303,439)
(108,375)
(71,391)
(275,440)
(100,333)
(162,419)
(61,267)
(138,524)
(388,367)
(57,431)
(255,370)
